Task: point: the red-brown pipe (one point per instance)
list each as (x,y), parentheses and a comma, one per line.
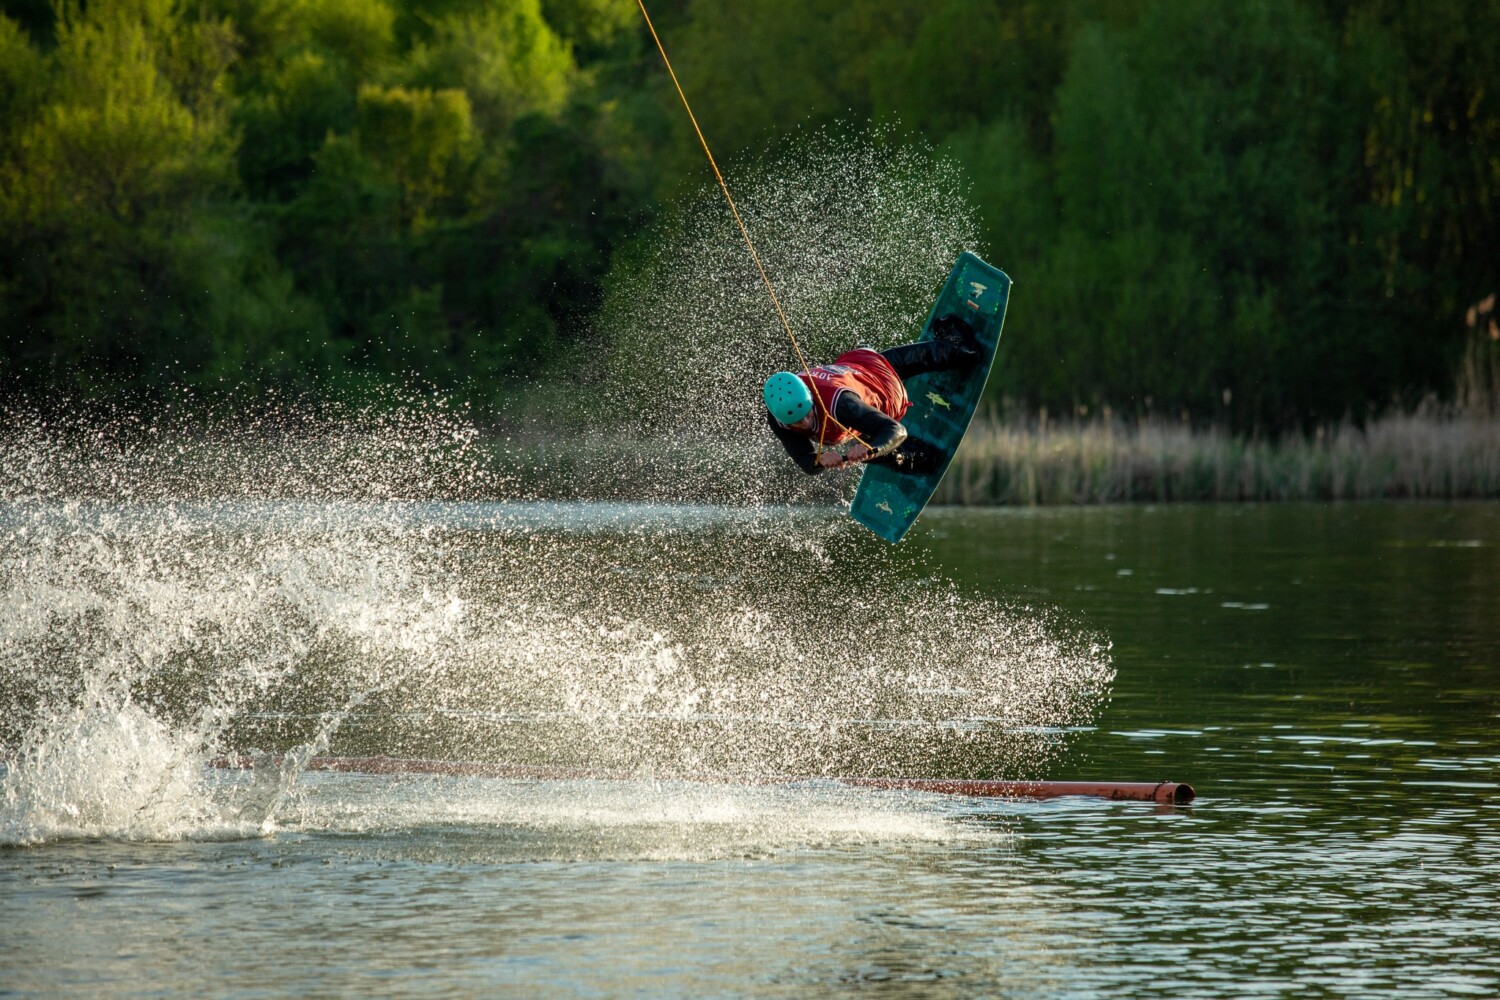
(1165,792)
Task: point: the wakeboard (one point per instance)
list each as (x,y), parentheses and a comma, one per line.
(942,403)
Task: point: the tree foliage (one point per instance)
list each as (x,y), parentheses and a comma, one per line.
(293,191)
(1261,212)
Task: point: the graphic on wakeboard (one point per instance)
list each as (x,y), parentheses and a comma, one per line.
(943,403)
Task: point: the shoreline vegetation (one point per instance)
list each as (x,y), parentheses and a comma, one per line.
(1430,454)
(479,195)
(1424,455)
(417,454)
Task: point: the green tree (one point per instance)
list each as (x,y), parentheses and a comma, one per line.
(972,61)
(425,140)
(128,263)
(507,59)
(100,179)
(1427,82)
(757,69)
(23,78)
(1260,211)
(459,222)
(1200,261)
(592,26)
(300,68)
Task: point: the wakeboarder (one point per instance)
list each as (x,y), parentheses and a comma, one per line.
(860,400)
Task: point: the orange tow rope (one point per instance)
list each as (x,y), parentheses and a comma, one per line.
(828,417)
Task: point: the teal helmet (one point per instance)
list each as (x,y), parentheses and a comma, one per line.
(787,397)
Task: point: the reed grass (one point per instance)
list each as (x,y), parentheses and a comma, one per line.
(1422,455)
(1430,454)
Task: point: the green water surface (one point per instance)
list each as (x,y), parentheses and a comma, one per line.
(1326,676)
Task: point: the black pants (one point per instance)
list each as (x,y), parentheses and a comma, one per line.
(915,455)
(911,360)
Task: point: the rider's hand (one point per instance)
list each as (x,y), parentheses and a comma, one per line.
(830,459)
(857,452)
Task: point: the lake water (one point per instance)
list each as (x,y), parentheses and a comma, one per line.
(1325,676)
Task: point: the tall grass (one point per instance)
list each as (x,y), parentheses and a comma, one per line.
(1426,455)
(1429,454)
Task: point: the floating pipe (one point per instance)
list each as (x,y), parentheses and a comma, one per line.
(1164,792)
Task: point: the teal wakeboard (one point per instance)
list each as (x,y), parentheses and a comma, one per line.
(942,403)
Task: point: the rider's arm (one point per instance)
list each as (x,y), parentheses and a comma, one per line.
(797,446)
(880,433)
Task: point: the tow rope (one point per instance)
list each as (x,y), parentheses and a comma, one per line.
(828,417)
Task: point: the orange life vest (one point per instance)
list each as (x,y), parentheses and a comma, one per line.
(865,373)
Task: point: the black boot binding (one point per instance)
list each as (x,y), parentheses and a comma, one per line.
(954,330)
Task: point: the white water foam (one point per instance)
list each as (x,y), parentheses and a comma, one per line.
(642,819)
(139,648)
(294,578)
(105,767)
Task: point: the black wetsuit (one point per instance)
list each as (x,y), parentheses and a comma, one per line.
(885,437)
